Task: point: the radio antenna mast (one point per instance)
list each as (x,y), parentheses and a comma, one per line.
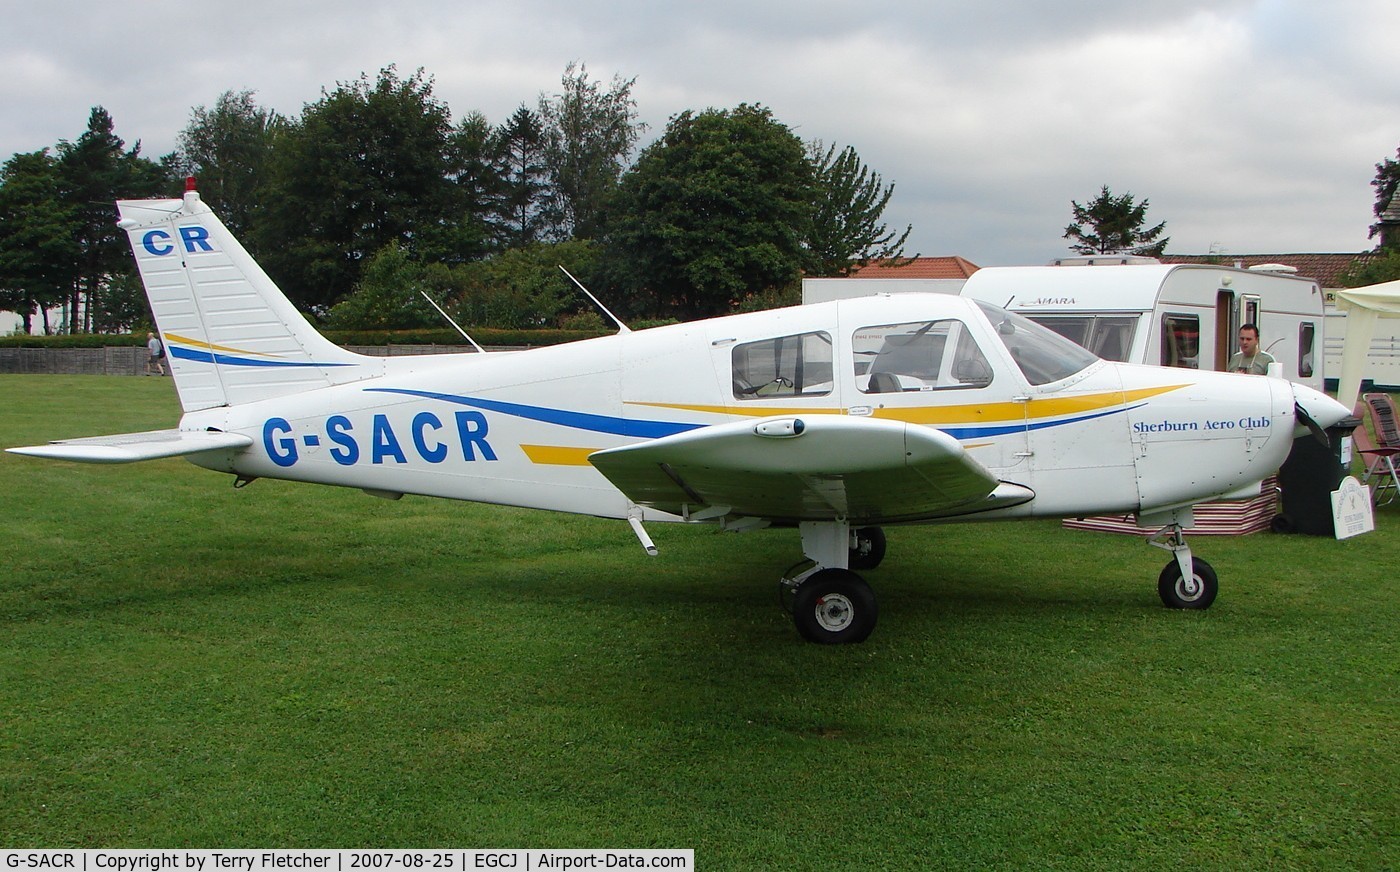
(434,304)
(621,328)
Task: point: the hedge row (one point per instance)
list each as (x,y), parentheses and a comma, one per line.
(482,335)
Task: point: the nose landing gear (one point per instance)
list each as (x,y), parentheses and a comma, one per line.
(1186,582)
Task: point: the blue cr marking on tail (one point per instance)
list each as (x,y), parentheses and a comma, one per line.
(194,237)
(150,240)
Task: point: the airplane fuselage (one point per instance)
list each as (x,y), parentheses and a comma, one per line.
(517,428)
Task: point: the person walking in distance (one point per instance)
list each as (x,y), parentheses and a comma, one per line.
(155,354)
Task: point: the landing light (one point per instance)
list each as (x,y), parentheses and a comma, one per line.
(784,429)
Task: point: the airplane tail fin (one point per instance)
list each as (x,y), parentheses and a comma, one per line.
(230,334)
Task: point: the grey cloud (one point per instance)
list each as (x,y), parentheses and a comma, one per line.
(1252,123)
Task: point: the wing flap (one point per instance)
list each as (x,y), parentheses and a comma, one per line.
(131,447)
(801,469)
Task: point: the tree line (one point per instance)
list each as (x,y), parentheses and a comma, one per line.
(374,194)
(1117,224)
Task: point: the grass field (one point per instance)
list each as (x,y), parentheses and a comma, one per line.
(185,664)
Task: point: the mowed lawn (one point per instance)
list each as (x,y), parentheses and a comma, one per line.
(186,664)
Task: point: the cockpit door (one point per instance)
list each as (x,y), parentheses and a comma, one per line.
(936,373)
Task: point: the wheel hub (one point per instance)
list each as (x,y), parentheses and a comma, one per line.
(835,612)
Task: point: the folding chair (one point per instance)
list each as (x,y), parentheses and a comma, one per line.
(1379,455)
(1383,416)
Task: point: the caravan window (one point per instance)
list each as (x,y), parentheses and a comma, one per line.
(1181,341)
(788,366)
(1108,336)
(1250,311)
(1306,336)
(918,356)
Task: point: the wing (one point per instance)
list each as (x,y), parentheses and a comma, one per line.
(131,447)
(808,469)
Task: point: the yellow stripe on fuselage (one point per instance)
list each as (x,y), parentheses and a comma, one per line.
(765,412)
(557,455)
(964,413)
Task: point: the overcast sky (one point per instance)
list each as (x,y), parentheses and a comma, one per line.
(1252,127)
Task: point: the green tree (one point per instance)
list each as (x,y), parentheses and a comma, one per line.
(1386,182)
(466,234)
(589,133)
(38,246)
(523,287)
(94,172)
(1373,271)
(366,166)
(517,150)
(389,295)
(1114,224)
(228,148)
(713,212)
(846,231)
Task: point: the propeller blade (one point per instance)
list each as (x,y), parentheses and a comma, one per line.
(1313,427)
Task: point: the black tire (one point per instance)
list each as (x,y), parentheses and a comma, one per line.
(870,548)
(834,607)
(1282,524)
(1174,592)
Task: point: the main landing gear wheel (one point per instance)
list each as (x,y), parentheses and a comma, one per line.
(834,607)
(1198,592)
(868,547)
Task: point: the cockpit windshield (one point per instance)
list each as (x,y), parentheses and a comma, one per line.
(1043,355)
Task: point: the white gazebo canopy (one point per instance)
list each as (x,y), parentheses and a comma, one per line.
(1364,306)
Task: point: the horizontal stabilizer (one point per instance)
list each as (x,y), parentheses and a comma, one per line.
(131,447)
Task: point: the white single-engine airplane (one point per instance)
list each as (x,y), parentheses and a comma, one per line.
(834,418)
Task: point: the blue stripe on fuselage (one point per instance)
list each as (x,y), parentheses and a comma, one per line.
(576,420)
(1007,429)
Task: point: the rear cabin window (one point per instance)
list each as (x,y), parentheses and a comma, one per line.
(1181,341)
(918,356)
(788,366)
(1307,336)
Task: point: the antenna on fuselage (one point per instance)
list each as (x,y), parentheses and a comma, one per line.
(434,304)
(621,328)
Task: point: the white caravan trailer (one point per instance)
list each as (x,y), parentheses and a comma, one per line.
(826,290)
(1185,315)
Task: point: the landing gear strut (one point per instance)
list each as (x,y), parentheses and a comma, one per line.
(830,604)
(867,547)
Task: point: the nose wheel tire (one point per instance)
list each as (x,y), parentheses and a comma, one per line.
(1197,592)
(834,607)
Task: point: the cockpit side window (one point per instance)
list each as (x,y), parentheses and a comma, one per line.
(1043,355)
(918,356)
(787,366)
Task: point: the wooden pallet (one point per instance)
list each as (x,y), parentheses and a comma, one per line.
(1234,518)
